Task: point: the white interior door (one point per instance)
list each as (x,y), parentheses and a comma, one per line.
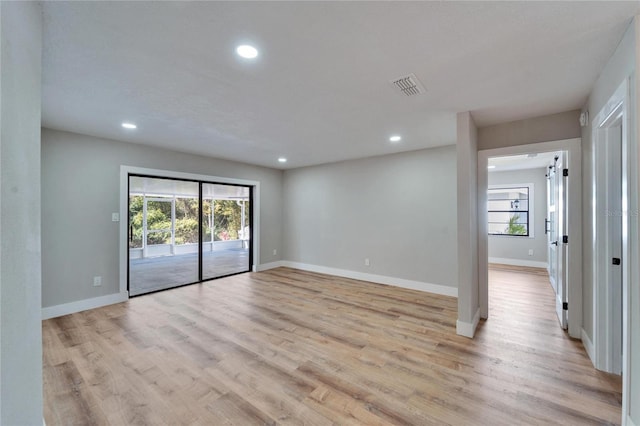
(562,217)
(563,225)
(550,227)
(555,227)
(614,259)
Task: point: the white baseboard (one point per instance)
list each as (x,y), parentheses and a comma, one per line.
(588,346)
(97,302)
(83,305)
(271,265)
(468,329)
(518,262)
(379,279)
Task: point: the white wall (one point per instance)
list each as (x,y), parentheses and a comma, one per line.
(80,190)
(622,65)
(397,210)
(20,326)
(516,249)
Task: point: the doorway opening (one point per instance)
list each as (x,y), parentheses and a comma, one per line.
(186,231)
(526,218)
(571,272)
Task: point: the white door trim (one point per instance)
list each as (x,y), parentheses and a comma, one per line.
(124,214)
(574,149)
(617,104)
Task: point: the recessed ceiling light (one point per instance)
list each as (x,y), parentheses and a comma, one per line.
(395,138)
(246,51)
(491,167)
(282,160)
(129,125)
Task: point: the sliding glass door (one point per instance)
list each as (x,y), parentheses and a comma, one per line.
(182,232)
(226,230)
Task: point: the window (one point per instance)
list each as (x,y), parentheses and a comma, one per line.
(508,210)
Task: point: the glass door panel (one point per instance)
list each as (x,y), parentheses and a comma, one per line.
(163,234)
(226,230)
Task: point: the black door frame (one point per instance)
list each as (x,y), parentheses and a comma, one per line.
(200,217)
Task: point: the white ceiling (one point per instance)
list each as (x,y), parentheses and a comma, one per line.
(319,91)
(522,162)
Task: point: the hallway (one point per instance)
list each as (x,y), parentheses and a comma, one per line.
(522,319)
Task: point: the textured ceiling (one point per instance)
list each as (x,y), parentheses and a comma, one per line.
(319,91)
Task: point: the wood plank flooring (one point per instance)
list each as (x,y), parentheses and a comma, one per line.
(292,347)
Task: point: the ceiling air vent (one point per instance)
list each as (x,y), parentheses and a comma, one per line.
(409,85)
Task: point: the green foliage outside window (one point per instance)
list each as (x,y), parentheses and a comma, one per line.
(515,228)
(135,221)
(227,220)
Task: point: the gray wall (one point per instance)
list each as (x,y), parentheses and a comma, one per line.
(553,127)
(517,248)
(397,210)
(20,326)
(80,190)
(467,200)
(634,396)
(622,65)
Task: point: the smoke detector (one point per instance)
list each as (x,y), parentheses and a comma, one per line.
(408,85)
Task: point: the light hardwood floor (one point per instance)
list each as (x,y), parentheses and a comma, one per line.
(293,347)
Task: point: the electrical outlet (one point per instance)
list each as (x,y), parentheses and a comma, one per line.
(530,252)
(97,281)
(275,252)
(366,262)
